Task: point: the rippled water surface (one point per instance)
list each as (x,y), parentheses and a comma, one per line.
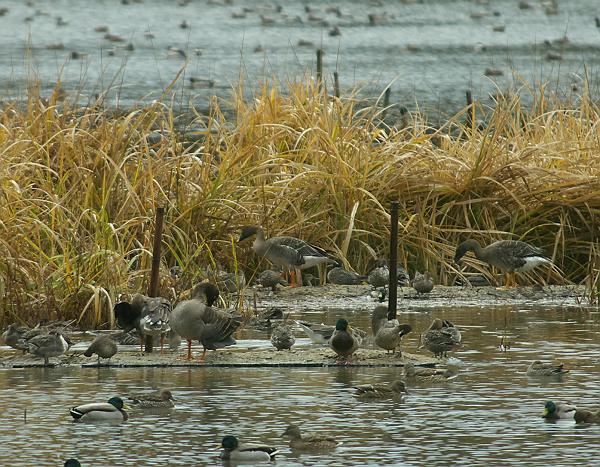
(489,415)
(432,49)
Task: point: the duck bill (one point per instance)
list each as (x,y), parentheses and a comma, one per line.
(545,414)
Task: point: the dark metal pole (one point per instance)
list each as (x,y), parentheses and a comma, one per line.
(153,288)
(386,102)
(470,109)
(393,295)
(336,84)
(320,68)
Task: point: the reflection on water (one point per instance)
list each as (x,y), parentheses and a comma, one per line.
(490,414)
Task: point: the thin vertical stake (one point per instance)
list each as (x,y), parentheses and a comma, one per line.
(393,295)
(336,84)
(153,288)
(470,109)
(319,68)
(386,101)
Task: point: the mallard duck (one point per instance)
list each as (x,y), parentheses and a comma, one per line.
(422,283)
(396,389)
(311,442)
(510,256)
(72,463)
(538,368)
(341,276)
(48,345)
(282,337)
(14,337)
(234,451)
(428,375)
(231,282)
(103,347)
(196,319)
(388,333)
(441,337)
(380,275)
(271,279)
(586,416)
(321,333)
(148,315)
(160,399)
(343,342)
(558,410)
(289,253)
(111,411)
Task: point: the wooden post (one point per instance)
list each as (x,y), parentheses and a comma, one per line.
(320,68)
(386,101)
(470,110)
(336,84)
(153,288)
(393,295)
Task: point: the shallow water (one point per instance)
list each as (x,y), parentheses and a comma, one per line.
(489,415)
(450,50)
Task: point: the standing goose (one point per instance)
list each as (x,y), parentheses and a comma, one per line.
(196,319)
(234,451)
(148,315)
(387,333)
(111,411)
(441,337)
(289,253)
(48,345)
(510,256)
(343,341)
(103,347)
(310,442)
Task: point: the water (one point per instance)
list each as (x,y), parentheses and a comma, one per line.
(489,415)
(449,50)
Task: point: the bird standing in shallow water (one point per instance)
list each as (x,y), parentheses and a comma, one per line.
(422,283)
(48,345)
(441,337)
(282,337)
(343,341)
(103,347)
(510,256)
(388,333)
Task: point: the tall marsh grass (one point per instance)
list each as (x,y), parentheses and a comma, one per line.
(79,188)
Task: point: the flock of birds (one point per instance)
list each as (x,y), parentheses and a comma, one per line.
(197,319)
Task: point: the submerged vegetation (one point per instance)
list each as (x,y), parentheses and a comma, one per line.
(79,189)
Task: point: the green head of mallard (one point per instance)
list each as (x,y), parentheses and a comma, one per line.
(229,442)
(117,402)
(72,463)
(549,409)
(341,325)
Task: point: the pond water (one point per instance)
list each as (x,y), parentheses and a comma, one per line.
(432,50)
(489,415)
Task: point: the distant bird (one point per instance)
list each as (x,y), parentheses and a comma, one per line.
(341,276)
(150,316)
(48,345)
(103,347)
(428,375)
(558,410)
(289,253)
(387,332)
(196,319)
(310,442)
(111,411)
(282,337)
(380,275)
(160,399)
(231,282)
(343,342)
(335,31)
(234,451)
(396,389)
(271,279)
(538,368)
(422,283)
(441,337)
(509,256)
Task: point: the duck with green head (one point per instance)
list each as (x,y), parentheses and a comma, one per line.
(111,411)
(558,411)
(343,341)
(234,451)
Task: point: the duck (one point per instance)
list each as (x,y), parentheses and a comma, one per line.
(441,337)
(428,375)
(396,389)
(321,333)
(422,283)
(387,332)
(111,411)
(234,451)
(538,368)
(14,337)
(510,256)
(343,342)
(72,463)
(311,442)
(48,345)
(148,315)
(380,275)
(197,319)
(586,416)
(160,399)
(341,276)
(558,410)
(271,279)
(282,337)
(103,347)
(289,253)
